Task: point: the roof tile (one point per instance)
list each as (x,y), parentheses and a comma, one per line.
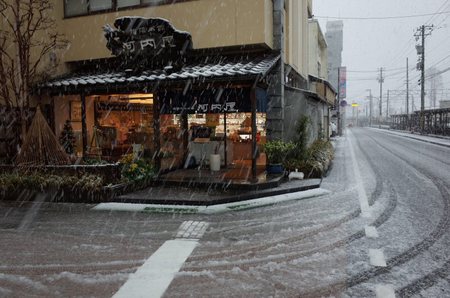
(255,66)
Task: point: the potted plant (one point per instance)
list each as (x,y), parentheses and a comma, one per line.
(276,152)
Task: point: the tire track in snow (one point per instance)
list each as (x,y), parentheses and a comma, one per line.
(375,195)
(395,139)
(407,255)
(270,245)
(378,179)
(382,218)
(425,282)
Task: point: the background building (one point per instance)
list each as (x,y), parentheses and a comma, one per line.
(335,40)
(318,51)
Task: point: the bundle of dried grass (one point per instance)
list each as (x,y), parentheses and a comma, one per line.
(41,147)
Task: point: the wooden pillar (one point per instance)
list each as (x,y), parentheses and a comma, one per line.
(254,128)
(225,137)
(185,135)
(157,132)
(83,123)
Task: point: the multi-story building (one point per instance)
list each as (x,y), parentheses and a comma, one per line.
(318,51)
(318,77)
(335,40)
(182,78)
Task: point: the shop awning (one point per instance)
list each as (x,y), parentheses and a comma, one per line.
(222,68)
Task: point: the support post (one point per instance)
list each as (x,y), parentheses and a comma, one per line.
(381,80)
(185,135)
(225,159)
(387,106)
(157,132)
(83,123)
(422,84)
(421,32)
(254,128)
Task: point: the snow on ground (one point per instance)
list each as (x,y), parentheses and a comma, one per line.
(294,248)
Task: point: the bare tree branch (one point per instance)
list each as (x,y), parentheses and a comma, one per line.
(23,52)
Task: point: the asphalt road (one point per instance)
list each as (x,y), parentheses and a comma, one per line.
(307,248)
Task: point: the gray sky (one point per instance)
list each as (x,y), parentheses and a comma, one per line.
(371,44)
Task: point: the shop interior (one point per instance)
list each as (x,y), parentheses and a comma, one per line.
(123,124)
(206,137)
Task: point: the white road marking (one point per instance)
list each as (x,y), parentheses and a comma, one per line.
(377,258)
(154,277)
(384,291)
(371,232)
(362,196)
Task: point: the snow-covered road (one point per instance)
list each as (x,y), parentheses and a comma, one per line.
(309,248)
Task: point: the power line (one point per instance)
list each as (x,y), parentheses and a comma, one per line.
(383,18)
(430,76)
(446,57)
(377,71)
(440,8)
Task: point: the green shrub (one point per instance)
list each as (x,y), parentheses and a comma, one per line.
(90,183)
(315,160)
(95,161)
(136,169)
(277,151)
(302,132)
(41,182)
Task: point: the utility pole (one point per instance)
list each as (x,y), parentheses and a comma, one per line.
(381,81)
(338,113)
(422,32)
(407,93)
(370,106)
(387,106)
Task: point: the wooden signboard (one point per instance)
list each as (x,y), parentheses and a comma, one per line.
(75,111)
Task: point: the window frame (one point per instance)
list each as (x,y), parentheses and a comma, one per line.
(115,8)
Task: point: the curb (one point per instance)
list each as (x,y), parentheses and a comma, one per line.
(212,209)
(224,200)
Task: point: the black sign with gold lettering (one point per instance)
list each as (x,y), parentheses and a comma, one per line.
(146,37)
(205,101)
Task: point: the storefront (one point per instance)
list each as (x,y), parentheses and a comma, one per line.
(113,123)
(217,122)
(178,113)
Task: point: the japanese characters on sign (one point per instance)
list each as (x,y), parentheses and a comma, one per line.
(204,102)
(229,107)
(134,36)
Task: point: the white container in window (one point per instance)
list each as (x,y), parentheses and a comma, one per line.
(214,162)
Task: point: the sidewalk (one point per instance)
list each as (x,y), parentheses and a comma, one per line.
(441,140)
(200,197)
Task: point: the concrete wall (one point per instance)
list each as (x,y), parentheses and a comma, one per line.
(297,105)
(212,23)
(297,36)
(318,51)
(334,38)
